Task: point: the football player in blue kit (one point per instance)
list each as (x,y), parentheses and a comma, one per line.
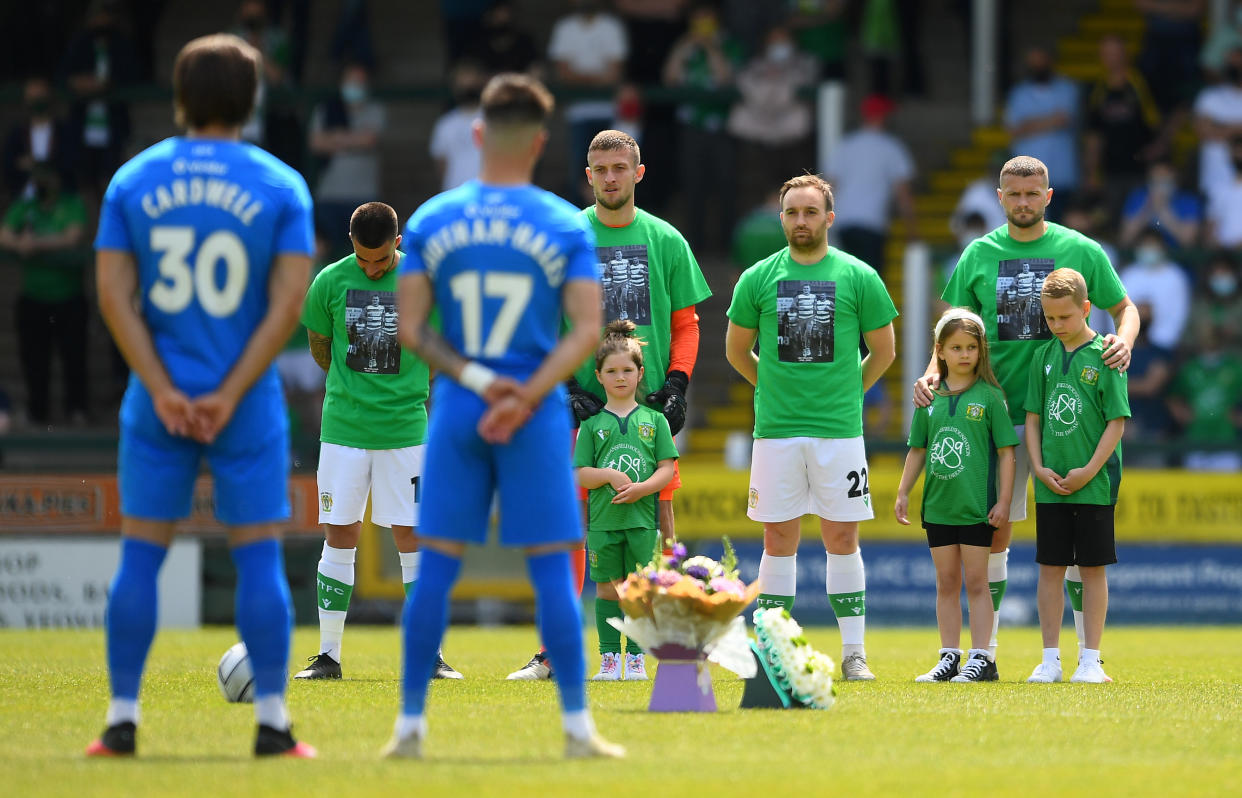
(502,261)
(202,260)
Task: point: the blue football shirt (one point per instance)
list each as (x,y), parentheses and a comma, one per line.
(204,219)
(497,257)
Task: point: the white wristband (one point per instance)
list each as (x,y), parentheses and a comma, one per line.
(476,377)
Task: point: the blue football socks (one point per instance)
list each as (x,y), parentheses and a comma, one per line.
(559,616)
(423,621)
(264,613)
(133,608)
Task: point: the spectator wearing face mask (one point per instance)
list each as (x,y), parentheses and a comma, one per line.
(1155,279)
(344,132)
(452,140)
(40,139)
(45,232)
(1041,115)
(1224,210)
(1218,303)
(704,58)
(1160,204)
(1206,401)
(871,171)
(1147,378)
(1218,118)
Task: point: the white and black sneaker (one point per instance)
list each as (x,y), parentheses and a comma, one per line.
(444,670)
(321,666)
(978,668)
(537,668)
(946,668)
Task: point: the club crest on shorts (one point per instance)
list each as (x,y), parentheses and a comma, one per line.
(646,432)
(974,412)
(325,502)
(1090,375)
(753,500)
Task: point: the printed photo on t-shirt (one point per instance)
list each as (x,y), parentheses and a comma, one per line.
(806,313)
(624,276)
(1019,313)
(371,320)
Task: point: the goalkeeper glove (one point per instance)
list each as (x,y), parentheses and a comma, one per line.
(582,402)
(671,399)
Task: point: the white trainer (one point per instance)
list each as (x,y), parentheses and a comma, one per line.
(408,747)
(1046,673)
(609,668)
(1090,673)
(635,667)
(591,746)
(854,669)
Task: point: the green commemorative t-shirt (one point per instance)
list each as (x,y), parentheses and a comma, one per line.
(647,271)
(1076,396)
(376,392)
(961,433)
(633,445)
(1000,279)
(809,320)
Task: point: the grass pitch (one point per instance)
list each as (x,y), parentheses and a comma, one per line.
(1168,725)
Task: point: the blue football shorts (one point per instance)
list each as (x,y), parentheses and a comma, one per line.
(532,474)
(249,461)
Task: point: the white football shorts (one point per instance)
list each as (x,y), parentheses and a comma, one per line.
(1021,477)
(793,477)
(391,476)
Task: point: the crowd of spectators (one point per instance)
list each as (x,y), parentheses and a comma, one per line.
(718,94)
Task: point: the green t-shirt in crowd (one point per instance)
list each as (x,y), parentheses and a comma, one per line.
(757,236)
(376,392)
(1212,385)
(633,445)
(50,276)
(647,271)
(961,433)
(1076,396)
(809,320)
(1000,279)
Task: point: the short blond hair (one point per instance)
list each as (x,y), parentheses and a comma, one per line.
(808,181)
(1065,282)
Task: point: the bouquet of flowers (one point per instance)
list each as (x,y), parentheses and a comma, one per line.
(803,673)
(685,608)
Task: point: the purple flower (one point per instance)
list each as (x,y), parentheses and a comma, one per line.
(722,584)
(698,572)
(667,578)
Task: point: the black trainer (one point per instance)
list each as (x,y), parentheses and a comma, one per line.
(977,669)
(946,668)
(321,667)
(270,741)
(118,739)
(444,670)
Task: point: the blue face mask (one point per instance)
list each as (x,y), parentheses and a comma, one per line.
(353,93)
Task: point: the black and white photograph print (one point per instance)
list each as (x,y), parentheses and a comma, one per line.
(625,281)
(806,312)
(1019,313)
(371,319)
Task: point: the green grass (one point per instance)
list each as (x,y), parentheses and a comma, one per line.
(1168,725)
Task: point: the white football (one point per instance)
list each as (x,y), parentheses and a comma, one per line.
(235,676)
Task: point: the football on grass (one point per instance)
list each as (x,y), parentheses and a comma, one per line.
(235,676)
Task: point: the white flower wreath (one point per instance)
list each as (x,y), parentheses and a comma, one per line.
(803,672)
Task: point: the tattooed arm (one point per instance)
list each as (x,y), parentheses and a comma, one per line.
(321,349)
